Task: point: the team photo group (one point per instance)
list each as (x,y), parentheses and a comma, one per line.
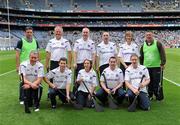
(91,75)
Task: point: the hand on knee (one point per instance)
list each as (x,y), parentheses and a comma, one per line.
(26,86)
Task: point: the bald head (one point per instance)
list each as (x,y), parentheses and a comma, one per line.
(105,37)
(85,33)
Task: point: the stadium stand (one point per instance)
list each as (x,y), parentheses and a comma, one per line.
(100,15)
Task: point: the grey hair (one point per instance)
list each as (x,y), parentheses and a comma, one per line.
(58,27)
(35,52)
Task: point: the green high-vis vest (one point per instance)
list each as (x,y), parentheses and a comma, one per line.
(151,55)
(27,47)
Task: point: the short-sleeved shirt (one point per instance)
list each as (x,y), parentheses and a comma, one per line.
(134,76)
(58,48)
(125,51)
(105,51)
(113,77)
(84,49)
(90,79)
(61,79)
(32,72)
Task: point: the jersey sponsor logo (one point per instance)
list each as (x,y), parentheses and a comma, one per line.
(30,74)
(106,52)
(58,47)
(109,79)
(107,74)
(85,49)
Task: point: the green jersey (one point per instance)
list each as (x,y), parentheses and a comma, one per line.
(27,47)
(151,55)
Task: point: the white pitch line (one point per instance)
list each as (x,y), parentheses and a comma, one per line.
(7,72)
(10,71)
(177,84)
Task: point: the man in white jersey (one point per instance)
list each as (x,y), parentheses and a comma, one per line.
(33,72)
(57,48)
(61,82)
(84,48)
(105,50)
(113,84)
(133,76)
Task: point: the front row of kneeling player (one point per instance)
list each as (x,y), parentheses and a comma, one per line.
(111,84)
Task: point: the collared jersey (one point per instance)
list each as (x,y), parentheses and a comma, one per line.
(90,79)
(105,51)
(84,49)
(61,79)
(113,77)
(58,48)
(32,72)
(125,51)
(133,76)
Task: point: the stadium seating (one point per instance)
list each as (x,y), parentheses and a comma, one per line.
(108,5)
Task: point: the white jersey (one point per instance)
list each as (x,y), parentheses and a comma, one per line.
(84,49)
(90,79)
(125,51)
(58,48)
(133,76)
(32,72)
(113,77)
(60,79)
(105,51)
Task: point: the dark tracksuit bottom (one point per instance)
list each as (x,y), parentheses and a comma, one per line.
(143,99)
(82,99)
(75,87)
(32,97)
(154,81)
(119,95)
(123,70)
(54,92)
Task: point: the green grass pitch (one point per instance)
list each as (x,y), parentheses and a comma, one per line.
(166,112)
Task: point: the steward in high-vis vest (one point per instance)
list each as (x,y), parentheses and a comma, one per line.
(23,49)
(153,57)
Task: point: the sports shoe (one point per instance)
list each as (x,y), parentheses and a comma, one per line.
(53,107)
(150,98)
(36,109)
(27,110)
(21,102)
